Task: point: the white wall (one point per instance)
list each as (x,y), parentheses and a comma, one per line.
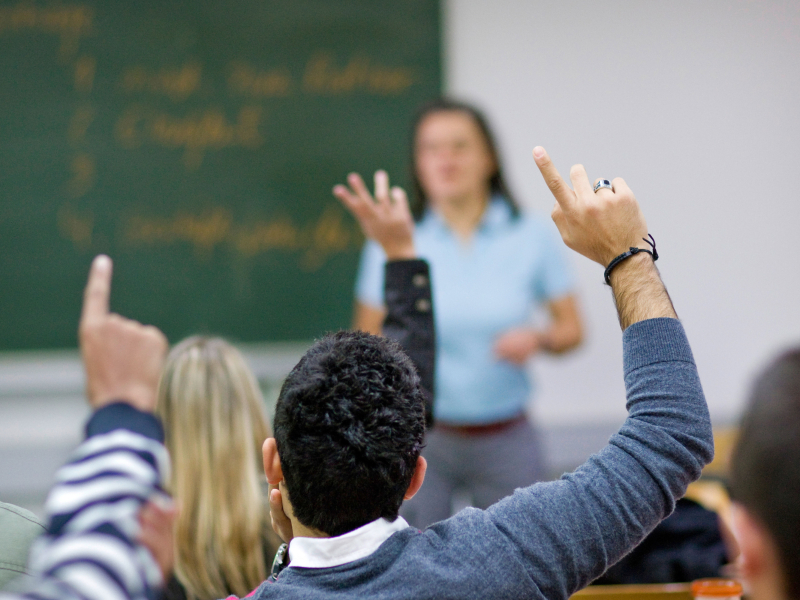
(697,106)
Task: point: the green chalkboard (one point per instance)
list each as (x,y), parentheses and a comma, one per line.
(196,142)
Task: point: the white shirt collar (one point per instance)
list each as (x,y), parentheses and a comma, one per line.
(320,553)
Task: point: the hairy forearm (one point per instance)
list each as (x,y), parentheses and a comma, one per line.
(639,292)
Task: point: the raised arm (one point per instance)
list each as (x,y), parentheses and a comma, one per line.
(407,289)
(91,548)
(559,536)
(387,219)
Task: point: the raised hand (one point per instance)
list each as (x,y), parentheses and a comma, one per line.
(598,225)
(601,226)
(122,358)
(385,219)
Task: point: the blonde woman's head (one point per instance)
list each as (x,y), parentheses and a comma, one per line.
(213,415)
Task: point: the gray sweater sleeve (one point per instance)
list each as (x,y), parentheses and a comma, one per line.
(562,535)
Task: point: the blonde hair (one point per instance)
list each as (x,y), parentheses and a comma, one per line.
(213,415)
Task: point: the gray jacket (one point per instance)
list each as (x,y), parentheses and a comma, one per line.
(18,529)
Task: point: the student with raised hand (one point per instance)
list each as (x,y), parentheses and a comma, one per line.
(98,511)
(105,538)
(349,427)
(348,435)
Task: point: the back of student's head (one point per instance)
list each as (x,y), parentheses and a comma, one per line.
(349,424)
(766,463)
(214,421)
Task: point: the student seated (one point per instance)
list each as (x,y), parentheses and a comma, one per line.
(213,415)
(348,435)
(765,483)
(20,527)
(96,539)
(354,404)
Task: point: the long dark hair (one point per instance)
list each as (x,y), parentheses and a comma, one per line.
(497,184)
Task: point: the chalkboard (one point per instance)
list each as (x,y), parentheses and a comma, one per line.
(197,142)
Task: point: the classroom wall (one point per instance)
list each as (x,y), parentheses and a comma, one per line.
(696,105)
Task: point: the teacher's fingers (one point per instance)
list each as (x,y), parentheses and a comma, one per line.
(98,290)
(563,194)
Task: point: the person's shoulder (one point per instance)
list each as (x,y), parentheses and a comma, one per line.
(13,513)
(20,528)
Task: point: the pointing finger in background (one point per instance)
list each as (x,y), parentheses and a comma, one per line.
(98,290)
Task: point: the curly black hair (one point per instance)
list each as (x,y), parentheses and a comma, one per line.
(349,425)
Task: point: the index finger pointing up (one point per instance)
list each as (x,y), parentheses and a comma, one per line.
(98,289)
(562,192)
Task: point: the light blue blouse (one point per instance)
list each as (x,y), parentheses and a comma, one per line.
(480,290)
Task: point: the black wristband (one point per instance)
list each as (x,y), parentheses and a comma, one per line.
(633,250)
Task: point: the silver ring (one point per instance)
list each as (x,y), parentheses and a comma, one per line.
(603,183)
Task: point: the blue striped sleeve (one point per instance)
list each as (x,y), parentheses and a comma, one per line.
(89,551)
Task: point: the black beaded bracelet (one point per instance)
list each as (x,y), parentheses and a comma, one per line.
(633,250)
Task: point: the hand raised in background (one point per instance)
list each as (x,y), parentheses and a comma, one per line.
(122,358)
(385,218)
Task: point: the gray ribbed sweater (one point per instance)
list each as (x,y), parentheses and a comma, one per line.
(551,539)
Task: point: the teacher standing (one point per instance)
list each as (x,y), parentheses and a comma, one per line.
(490,266)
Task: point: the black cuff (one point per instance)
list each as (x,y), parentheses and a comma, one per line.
(121,415)
(409,320)
(403,279)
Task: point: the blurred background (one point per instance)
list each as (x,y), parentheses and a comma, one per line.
(197,144)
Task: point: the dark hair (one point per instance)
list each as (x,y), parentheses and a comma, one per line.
(349,424)
(765,473)
(497,184)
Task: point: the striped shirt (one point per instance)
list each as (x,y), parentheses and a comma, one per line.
(89,551)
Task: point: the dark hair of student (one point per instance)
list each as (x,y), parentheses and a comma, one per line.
(349,424)
(497,184)
(765,474)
